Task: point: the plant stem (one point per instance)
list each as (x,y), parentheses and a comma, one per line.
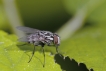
(13,15)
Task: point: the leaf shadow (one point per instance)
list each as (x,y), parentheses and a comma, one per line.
(68,64)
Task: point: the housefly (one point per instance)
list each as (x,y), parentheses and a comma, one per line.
(39,38)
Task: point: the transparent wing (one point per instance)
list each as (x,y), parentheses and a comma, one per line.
(27,29)
(23,39)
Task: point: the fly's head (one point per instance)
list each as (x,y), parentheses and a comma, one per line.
(56,39)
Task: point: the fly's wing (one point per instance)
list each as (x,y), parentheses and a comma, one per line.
(23,39)
(27,29)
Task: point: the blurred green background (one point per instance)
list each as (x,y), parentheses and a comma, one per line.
(76,22)
(51,15)
(44,15)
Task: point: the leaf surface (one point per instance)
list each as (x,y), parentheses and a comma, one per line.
(88,46)
(13,58)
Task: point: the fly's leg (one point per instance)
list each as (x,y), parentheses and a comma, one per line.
(32,54)
(57,49)
(44,56)
(42,44)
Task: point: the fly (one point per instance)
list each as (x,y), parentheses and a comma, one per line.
(39,38)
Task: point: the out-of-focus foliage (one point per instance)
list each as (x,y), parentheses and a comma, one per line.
(88,46)
(3,19)
(45,15)
(14,59)
(96,9)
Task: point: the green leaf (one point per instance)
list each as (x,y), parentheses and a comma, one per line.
(13,58)
(88,46)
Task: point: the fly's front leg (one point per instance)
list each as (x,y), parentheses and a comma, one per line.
(32,54)
(49,44)
(57,49)
(44,56)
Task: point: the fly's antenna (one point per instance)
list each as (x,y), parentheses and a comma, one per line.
(32,55)
(44,56)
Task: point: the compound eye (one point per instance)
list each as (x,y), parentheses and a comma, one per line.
(55,39)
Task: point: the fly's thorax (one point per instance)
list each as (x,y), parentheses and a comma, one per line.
(56,39)
(48,35)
